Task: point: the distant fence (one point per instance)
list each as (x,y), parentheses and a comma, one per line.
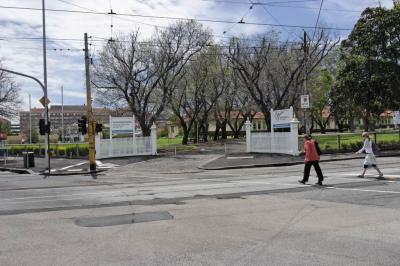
(353,141)
(124,147)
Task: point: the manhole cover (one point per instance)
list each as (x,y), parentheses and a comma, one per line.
(123,219)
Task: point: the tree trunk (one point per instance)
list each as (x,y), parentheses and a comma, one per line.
(366,120)
(217,129)
(204,129)
(146,130)
(185,138)
(223,128)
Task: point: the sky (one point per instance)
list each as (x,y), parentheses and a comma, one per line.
(21,31)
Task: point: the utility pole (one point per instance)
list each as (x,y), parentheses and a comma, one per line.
(62,115)
(306,126)
(92,151)
(30,120)
(46,105)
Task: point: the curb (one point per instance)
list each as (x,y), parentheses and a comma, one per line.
(202,167)
(17,170)
(72,173)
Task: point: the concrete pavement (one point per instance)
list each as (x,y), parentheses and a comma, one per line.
(249,216)
(251,160)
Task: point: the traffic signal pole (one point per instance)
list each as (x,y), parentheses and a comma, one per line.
(91,130)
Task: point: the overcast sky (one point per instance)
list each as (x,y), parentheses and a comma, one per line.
(66,68)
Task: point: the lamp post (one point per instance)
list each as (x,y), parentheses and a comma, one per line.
(30,120)
(46,106)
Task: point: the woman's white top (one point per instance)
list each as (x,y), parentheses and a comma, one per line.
(367,147)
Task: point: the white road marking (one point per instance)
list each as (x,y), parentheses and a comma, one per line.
(240,157)
(70,166)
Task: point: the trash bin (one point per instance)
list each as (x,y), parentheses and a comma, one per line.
(29,159)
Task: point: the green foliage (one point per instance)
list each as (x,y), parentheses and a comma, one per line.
(164,133)
(368,80)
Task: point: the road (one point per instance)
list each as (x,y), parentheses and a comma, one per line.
(259,216)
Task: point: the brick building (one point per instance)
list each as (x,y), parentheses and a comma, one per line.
(71,115)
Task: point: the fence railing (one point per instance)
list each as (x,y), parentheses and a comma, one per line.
(106,148)
(354,141)
(272,143)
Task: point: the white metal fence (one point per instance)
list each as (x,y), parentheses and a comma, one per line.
(122,147)
(273,142)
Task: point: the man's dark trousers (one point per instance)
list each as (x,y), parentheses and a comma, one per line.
(307,168)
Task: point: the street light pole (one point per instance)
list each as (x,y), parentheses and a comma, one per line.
(91,123)
(62,115)
(46,106)
(30,120)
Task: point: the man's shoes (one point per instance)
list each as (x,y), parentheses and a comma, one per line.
(319,183)
(360,176)
(380,177)
(302,182)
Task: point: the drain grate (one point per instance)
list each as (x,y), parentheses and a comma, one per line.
(123,219)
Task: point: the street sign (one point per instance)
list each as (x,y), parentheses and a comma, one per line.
(305,101)
(122,125)
(281,118)
(44,100)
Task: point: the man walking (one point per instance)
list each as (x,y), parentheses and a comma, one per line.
(311,158)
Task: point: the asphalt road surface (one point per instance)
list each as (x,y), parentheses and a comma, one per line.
(259,216)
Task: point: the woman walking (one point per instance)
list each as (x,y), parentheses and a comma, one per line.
(311,159)
(369,160)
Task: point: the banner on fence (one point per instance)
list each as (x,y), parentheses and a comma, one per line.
(281,118)
(122,125)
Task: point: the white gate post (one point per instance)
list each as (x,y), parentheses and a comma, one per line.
(154,139)
(294,135)
(272,138)
(248,135)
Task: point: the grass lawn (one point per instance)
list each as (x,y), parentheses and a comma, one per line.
(354,140)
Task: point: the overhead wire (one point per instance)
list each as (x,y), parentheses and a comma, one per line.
(173,18)
(241,21)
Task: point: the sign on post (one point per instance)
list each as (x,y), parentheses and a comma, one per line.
(122,125)
(305,101)
(44,101)
(281,118)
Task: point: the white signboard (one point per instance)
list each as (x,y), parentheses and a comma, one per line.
(305,101)
(122,125)
(396,117)
(281,118)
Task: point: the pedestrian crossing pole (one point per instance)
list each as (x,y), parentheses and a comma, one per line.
(92,151)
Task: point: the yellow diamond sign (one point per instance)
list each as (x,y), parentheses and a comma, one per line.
(44,100)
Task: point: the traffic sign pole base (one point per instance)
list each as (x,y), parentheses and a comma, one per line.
(92,167)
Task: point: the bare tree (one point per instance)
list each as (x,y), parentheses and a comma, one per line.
(273,73)
(185,100)
(141,75)
(9,96)
(196,92)
(234,106)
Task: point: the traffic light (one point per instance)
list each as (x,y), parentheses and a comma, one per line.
(42,127)
(82,127)
(99,127)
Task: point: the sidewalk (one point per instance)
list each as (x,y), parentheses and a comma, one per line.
(251,160)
